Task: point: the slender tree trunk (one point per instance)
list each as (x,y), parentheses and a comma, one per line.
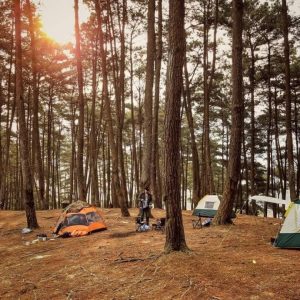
(246,170)
(80,137)
(93,136)
(175,238)
(108,116)
(9,122)
(156,192)
(207,172)
(277,143)
(297,145)
(269,133)
(148,103)
(195,156)
(57,167)
(122,99)
(73,154)
(118,71)
(289,135)
(49,144)
(24,148)
(133,135)
(36,146)
(252,88)
(234,164)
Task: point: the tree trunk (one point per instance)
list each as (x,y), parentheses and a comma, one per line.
(108,117)
(277,143)
(80,137)
(122,103)
(148,103)
(9,121)
(237,111)
(289,135)
(155,170)
(246,169)
(252,88)
(269,132)
(207,181)
(36,146)
(133,134)
(93,136)
(24,149)
(195,156)
(175,238)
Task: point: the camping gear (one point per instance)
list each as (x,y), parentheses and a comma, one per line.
(289,235)
(141,226)
(138,223)
(78,219)
(268,199)
(159,225)
(208,207)
(42,237)
(199,223)
(26,230)
(262,202)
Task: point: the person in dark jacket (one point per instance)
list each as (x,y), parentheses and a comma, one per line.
(145,204)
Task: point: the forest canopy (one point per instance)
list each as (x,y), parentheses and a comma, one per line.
(87,120)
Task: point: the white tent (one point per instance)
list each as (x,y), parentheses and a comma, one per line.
(207,206)
(289,235)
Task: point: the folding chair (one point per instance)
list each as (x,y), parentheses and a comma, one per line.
(197,223)
(159,225)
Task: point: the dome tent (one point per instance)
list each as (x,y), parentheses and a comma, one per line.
(207,206)
(78,219)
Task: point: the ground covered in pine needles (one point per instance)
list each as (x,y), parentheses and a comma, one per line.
(225,262)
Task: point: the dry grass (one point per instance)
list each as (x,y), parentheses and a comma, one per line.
(225,262)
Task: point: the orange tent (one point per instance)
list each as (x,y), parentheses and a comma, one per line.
(79,219)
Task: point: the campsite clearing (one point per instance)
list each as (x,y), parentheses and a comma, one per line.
(226,262)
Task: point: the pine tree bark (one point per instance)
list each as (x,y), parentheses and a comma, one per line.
(80,137)
(207,186)
(269,132)
(133,134)
(288,121)
(195,156)
(252,88)
(36,146)
(175,238)
(122,102)
(237,111)
(9,121)
(277,143)
(155,170)
(148,103)
(23,134)
(93,136)
(108,118)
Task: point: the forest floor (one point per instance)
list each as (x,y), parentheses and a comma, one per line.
(225,262)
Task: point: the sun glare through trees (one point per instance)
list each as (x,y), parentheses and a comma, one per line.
(173,118)
(57,18)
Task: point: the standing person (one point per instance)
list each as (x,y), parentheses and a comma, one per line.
(145,204)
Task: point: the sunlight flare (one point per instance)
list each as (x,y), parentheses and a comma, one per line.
(57,18)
